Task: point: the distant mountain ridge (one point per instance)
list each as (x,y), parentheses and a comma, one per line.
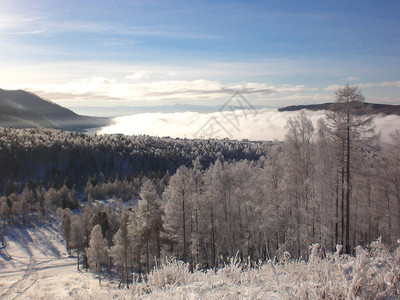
(385,109)
(22,109)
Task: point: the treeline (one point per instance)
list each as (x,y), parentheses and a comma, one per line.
(34,203)
(49,156)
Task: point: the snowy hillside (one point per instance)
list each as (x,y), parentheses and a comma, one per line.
(22,109)
(35,265)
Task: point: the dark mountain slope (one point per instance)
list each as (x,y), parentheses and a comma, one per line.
(385,109)
(21,109)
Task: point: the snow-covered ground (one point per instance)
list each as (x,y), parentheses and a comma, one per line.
(34,265)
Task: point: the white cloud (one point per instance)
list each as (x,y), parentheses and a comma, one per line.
(333,87)
(137,88)
(353,78)
(387,125)
(264,124)
(12,23)
(255,125)
(139,75)
(17,22)
(381,84)
(105,83)
(367,85)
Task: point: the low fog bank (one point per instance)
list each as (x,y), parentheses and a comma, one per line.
(262,124)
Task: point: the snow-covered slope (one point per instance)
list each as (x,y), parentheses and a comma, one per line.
(34,265)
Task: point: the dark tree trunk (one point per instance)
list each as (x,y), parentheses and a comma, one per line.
(348,192)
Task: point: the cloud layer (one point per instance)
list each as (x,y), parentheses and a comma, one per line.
(264,124)
(140,87)
(101,84)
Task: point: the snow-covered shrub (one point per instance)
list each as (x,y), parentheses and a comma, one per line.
(316,279)
(376,273)
(233,271)
(172,272)
(373,273)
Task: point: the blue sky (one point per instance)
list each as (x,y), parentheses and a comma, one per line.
(108,53)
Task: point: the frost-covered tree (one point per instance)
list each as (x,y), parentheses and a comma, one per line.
(392,174)
(101,218)
(77,233)
(65,216)
(326,192)
(86,218)
(197,223)
(51,199)
(271,209)
(178,210)
(221,189)
(122,252)
(213,213)
(386,184)
(97,250)
(10,188)
(136,233)
(350,127)
(5,211)
(150,215)
(299,174)
(21,207)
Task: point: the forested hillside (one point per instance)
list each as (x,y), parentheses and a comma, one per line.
(124,203)
(49,155)
(21,109)
(374,108)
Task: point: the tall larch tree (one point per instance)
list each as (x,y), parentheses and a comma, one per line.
(178,210)
(150,215)
(299,179)
(121,252)
(350,126)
